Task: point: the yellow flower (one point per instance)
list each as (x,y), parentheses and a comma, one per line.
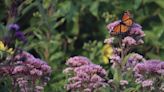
(2,46)
(5,48)
(107,53)
(10,50)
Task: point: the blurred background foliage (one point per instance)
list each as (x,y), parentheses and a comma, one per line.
(58,29)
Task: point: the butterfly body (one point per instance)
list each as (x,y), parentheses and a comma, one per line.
(124,25)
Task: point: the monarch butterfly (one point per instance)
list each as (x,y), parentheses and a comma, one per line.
(124,25)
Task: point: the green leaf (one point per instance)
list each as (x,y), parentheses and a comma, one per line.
(28,8)
(8,3)
(161,16)
(75,29)
(137,3)
(130,90)
(56,55)
(117,75)
(46,3)
(152,55)
(94,8)
(160,3)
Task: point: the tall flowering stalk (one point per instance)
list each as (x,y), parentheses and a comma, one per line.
(147,73)
(131,71)
(122,45)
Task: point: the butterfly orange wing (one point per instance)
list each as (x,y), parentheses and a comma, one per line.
(120,28)
(127,19)
(124,25)
(124,28)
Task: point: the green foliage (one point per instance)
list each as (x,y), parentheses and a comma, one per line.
(58,29)
(94,51)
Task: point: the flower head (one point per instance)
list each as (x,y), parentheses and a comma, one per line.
(107,53)
(136,30)
(123,82)
(149,67)
(13,27)
(20,36)
(109,40)
(86,75)
(5,48)
(31,65)
(2,46)
(147,83)
(78,61)
(133,60)
(128,41)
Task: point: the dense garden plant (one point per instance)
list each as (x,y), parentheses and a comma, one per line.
(26,73)
(131,71)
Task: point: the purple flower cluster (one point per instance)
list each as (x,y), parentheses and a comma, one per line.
(147,83)
(145,71)
(137,30)
(124,82)
(133,36)
(31,65)
(86,75)
(26,69)
(129,41)
(134,59)
(109,40)
(150,67)
(23,84)
(39,89)
(77,61)
(14,28)
(115,60)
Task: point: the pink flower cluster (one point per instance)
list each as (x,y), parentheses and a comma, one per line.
(137,30)
(131,38)
(145,71)
(147,83)
(86,75)
(109,40)
(31,65)
(22,83)
(78,61)
(115,60)
(133,60)
(150,67)
(26,69)
(129,41)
